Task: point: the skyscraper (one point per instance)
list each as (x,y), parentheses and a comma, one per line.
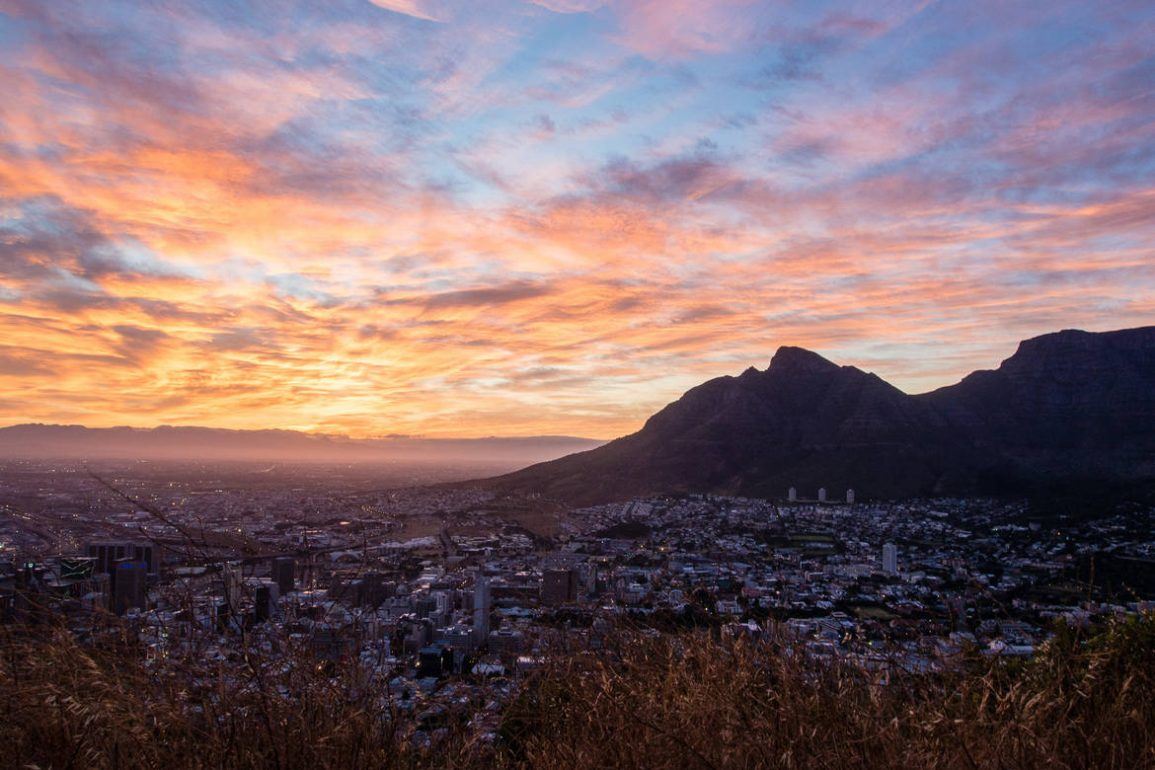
(106,555)
(285,574)
(232,581)
(890,559)
(482,605)
(558,586)
(263,603)
(147,553)
(129,585)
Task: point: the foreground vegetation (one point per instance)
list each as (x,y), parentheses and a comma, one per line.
(684,701)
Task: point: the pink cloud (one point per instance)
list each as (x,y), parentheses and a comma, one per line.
(673,29)
(428,10)
(571,6)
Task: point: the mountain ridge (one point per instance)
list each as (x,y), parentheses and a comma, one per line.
(1068,406)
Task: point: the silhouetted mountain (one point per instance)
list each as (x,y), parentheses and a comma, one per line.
(1067,407)
(194,443)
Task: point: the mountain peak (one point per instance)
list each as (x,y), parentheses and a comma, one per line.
(793,359)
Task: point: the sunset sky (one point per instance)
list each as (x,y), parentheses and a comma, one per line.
(476,218)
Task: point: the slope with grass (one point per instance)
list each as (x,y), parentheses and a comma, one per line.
(676,701)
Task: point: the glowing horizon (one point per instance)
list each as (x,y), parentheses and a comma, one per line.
(452,218)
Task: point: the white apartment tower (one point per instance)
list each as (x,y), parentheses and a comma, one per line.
(890,559)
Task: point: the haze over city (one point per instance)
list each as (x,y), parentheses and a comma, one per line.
(550,218)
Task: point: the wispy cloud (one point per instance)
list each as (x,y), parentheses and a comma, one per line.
(429,10)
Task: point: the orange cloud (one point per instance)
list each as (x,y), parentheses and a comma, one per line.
(364,224)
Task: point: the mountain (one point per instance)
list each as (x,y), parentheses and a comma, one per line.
(1069,407)
(35,441)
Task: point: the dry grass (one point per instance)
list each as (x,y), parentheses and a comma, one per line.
(670,702)
(695,702)
(65,705)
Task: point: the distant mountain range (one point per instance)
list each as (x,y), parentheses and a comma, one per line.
(34,441)
(1070,409)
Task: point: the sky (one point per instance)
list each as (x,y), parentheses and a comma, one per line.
(504,217)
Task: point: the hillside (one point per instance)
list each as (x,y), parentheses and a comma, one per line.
(691,700)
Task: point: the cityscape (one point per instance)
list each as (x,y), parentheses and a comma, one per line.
(577,385)
(453,595)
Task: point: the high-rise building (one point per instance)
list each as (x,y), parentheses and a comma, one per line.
(589,579)
(482,605)
(233,584)
(890,559)
(147,553)
(850,497)
(822,495)
(285,574)
(558,586)
(263,602)
(792,495)
(106,555)
(128,585)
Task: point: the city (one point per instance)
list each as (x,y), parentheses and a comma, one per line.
(453,595)
(577,385)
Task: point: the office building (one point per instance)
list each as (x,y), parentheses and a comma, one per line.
(106,555)
(128,585)
(284,573)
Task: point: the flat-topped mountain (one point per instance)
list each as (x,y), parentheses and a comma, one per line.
(1069,405)
(1066,407)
